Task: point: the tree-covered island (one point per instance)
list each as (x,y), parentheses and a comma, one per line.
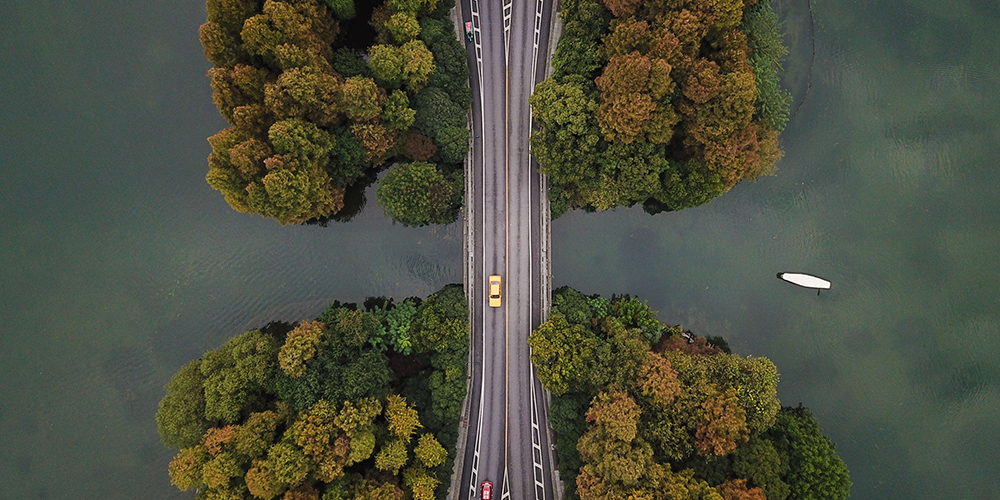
(643,410)
(362,403)
(668,103)
(314,118)
(365,402)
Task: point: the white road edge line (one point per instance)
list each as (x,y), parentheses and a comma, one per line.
(477,41)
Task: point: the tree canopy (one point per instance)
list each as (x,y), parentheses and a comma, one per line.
(416,194)
(645,410)
(310,119)
(314,410)
(668,104)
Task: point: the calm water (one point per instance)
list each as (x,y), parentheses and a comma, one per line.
(889,189)
(119,263)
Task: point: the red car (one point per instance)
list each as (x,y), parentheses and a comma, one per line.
(487,490)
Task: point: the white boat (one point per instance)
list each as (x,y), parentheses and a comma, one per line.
(806,281)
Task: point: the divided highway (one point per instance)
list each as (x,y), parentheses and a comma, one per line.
(507,216)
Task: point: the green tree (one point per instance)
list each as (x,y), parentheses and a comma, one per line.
(758,462)
(180,419)
(629,173)
(349,62)
(392,456)
(362,445)
(685,185)
(186,468)
(417,194)
(399,320)
(346,159)
(403,26)
(421,483)
(441,323)
(301,139)
(451,66)
(621,357)
(572,304)
(766,51)
(567,139)
(410,6)
(429,451)
(361,99)
(301,346)
(238,374)
(289,464)
(815,470)
(453,144)
(257,434)
(418,64)
(398,115)
(755,381)
(386,63)
(218,471)
(362,372)
(343,9)
(294,191)
(402,417)
(447,383)
(563,354)
(635,313)
(435,110)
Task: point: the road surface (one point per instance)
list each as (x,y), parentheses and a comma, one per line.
(506,210)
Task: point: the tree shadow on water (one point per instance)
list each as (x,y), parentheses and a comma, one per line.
(355,200)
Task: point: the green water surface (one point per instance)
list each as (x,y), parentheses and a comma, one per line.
(118,263)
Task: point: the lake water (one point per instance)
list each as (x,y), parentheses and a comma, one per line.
(119,263)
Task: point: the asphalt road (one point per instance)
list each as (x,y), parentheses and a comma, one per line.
(507,442)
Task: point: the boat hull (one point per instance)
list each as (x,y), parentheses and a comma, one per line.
(805,280)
